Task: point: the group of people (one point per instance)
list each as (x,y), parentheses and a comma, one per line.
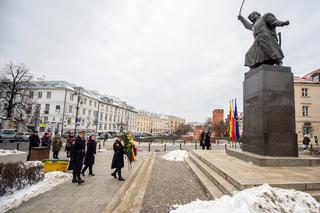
(78,157)
(45,141)
(80,153)
(205,140)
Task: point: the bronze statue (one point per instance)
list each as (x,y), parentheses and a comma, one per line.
(265,48)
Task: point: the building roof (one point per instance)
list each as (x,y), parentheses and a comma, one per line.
(308,78)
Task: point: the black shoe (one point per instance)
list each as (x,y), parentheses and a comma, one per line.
(74,180)
(80,181)
(83,173)
(121,179)
(91,174)
(114,175)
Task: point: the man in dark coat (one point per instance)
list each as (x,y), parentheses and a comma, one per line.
(202,139)
(46,140)
(77,155)
(207,140)
(265,48)
(90,155)
(117,161)
(34,141)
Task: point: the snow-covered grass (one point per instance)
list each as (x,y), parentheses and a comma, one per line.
(10,152)
(51,179)
(176,155)
(259,199)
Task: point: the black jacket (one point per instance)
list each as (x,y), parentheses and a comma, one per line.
(34,141)
(91,151)
(117,161)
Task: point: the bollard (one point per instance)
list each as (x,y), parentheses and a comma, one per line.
(18,146)
(165,147)
(180,146)
(104,143)
(225,146)
(99,146)
(235,145)
(184,141)
(149,147)
(195,144)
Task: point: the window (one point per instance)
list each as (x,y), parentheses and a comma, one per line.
(105,126)
(57,108)
(69,121)
(31,94)
(89,112)
(71,97)
(316,78)
(83,111)
(82,122)
(90,103)
(70,109)
(48,95)
(84,101)
(106,117)
(47,108)
(95,104)
(304,92)
(39,94)
(45,118)
(305,111)
(101,116)
(100,126)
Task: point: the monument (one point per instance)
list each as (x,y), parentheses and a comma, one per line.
(269,113)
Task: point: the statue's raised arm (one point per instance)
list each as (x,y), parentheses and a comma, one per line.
(265,48)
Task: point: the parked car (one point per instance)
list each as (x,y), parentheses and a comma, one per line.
(23,136)
(8,135)
(104,135)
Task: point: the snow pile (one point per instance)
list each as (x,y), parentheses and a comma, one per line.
(10,152)
(35,163)
(259,199)
(101,150)
(51,179)
(176,155)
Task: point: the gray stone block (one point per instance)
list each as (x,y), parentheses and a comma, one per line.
(269,113)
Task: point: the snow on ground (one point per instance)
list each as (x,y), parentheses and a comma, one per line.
(101,150)
(176,155)
(51,179)
(259,199)
(10,152)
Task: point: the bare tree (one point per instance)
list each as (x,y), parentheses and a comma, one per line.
(208,124)
(183,129)
(15,90)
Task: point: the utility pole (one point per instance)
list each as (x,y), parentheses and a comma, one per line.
(77,110)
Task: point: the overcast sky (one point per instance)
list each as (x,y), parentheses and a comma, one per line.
(181,57)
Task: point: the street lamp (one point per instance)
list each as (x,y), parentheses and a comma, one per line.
(77,120)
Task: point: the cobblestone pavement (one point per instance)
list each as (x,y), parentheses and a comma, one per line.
(171,183)
(92,196)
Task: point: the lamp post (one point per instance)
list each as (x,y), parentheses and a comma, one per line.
(77,109)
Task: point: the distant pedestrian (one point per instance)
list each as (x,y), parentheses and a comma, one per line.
(202,139)
(34,141)
(306,141)
(90,155)
(117,161)
(46,140)
(316,140)
(207,141)
(56,146)
(69,143)
(77,155)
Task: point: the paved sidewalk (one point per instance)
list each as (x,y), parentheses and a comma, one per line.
(92,196)
(171,183)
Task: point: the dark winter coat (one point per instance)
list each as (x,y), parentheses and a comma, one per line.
(117,161)
(69,143)
(202,139)
(46,141)
(90,153)
(77,154)
(207,139)
(306,140)
(34,141)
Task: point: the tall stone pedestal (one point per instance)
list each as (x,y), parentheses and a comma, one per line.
(269,114)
